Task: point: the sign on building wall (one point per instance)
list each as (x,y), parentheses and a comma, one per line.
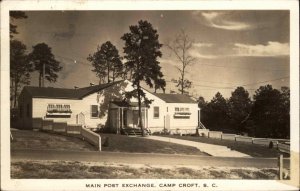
(58,111)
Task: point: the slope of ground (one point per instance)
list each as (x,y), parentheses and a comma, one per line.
(122,143)
(247,148)
(26,139)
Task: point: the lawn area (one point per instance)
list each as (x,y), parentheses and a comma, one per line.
(26,139)
(68,169)
(122,143)
(247,148)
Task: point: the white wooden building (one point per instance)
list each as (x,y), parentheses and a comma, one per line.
(103,105)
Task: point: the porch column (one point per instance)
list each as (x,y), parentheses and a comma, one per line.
(118,124)
(122,117)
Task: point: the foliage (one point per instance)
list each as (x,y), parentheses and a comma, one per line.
(106,62)
(42,55)
(201,102)
(142,48)
(180,47)
(20,67)
(15,15)
(239,108)
(215,113)
(270,112)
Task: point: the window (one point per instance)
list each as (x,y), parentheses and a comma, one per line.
(94,111)
(176,108)
(156,112)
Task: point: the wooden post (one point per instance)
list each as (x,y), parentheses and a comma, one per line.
(99,142)
(280,167)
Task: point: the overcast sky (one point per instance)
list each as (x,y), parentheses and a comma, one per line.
(233,48)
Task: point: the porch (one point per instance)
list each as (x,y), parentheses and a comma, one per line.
(123,117)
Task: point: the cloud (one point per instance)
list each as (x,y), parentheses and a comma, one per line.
(196,54)
(272,49)
(200,44)
(220,20)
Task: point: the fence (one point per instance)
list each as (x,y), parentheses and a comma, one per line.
(67,129)
(238,138)
(91,137)
(228,136)
(284,147)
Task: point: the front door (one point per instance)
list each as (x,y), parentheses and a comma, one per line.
(125,118)
(80,119)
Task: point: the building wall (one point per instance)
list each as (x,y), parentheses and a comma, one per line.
(184,123)
(103,99)
(24,111)
(79,106)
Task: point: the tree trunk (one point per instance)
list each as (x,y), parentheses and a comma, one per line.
(140,121)
(40,80)
(108,73)
(15,92)
(113,74)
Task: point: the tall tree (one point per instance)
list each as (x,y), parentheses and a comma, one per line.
(180,47)
(45,63)
(239,108)
(106,62)
(215,113)
(142,48)
(15,15)
(20,67)
(270,112)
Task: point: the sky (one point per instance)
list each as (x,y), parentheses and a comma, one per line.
(231,48)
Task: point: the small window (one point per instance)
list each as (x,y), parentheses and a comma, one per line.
(176,108)
(156,112)
(181,109)
(167,109)
(94,111)
(187,109)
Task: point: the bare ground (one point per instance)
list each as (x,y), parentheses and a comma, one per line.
(77,170)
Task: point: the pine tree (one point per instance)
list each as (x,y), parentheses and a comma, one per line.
(45,62)
(20,68)
(106,62)
(142,48)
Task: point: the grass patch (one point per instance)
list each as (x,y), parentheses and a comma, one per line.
(247,148)
(122,143)
(67,169)
(27,139)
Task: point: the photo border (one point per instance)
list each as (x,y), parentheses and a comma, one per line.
(79,184)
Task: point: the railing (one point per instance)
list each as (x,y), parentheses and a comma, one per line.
(91,137)
(284,147)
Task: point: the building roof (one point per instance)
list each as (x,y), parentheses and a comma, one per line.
(175,98)
(64,93)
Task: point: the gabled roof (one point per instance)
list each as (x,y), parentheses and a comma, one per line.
(175,98)
(64,93)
